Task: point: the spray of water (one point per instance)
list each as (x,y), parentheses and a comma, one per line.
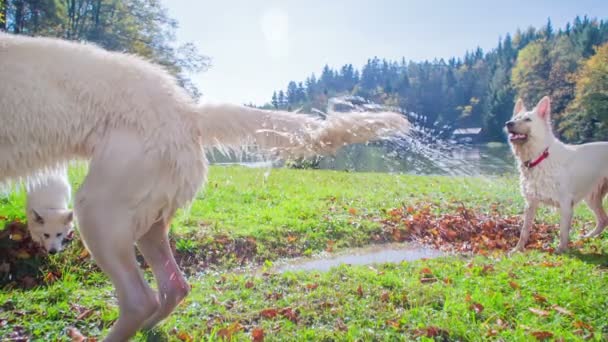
(427,150)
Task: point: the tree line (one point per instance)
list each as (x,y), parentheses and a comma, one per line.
(479,89)
(141,27)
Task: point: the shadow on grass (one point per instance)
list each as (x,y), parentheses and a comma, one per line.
(592,258)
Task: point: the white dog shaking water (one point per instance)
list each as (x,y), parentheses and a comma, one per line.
(144,137)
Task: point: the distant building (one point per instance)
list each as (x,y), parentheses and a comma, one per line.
(467,135)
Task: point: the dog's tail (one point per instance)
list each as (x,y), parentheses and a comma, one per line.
(234,127)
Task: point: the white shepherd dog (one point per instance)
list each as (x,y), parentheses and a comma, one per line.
(554,173)
(49,219)
(144,137)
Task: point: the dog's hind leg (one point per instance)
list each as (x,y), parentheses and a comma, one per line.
(594,201)
(108,237)
(172,286)
(118,202)
(524,235)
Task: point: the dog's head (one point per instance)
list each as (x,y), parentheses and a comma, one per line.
(527,128)
(50,228)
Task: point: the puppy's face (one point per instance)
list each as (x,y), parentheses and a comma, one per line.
(50,228)
(526,126)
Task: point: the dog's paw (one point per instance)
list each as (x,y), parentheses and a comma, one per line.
(591,234)
(517,249)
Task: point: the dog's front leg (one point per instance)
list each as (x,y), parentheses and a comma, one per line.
(565,207)
(524,235)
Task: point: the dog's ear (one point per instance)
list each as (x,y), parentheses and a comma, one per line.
(37,218)
(519,107)
(69,217)
(543,108)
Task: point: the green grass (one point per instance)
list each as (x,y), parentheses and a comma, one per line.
(295,212)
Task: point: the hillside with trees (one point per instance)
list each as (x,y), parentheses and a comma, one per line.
(479,89)
(142,27)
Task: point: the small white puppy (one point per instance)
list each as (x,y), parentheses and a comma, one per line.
(49,219)
(555,173)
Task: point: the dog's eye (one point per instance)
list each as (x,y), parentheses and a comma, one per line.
(59,234)
(527,119)
(46,236)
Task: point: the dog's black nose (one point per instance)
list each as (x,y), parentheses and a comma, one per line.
(52,251)
(509,124)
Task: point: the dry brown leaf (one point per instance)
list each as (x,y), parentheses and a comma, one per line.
(360,291)
(582,325)
(539,312)
(184,336)
(562,311)
(393,323)
(538,298)
(227,332)
(477,307)
(312,286)
(542,335)
(290,314)
(257,335)
(75,335)
(269,313)
(514,285)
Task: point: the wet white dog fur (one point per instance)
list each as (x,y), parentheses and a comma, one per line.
(144,137)
(49,218)
(569,174)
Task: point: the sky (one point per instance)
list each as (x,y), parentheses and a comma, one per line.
(258,46)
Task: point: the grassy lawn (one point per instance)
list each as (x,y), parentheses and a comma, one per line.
(254,217)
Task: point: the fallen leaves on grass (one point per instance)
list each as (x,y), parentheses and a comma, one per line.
(21,258)
(460,228)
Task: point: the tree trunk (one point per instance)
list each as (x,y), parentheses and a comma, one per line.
(18,16)
(3,11)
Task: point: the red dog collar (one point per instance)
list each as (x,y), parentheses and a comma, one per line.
(530,164)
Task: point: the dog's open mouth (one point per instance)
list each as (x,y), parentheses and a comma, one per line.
(517,137)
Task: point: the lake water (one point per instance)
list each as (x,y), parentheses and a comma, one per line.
(447,159)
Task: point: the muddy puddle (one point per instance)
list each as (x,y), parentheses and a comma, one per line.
(376,254)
